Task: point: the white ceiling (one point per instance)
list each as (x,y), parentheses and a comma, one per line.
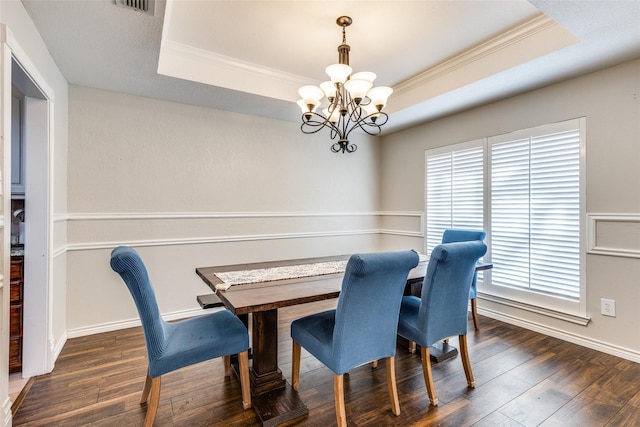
(251,56)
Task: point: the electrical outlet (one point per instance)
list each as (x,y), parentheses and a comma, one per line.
(608,307)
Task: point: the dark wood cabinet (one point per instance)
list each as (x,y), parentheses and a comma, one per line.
(15,313)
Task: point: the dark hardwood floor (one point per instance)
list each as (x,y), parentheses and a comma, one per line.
(523,378)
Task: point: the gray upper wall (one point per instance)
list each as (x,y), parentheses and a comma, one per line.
(610,101)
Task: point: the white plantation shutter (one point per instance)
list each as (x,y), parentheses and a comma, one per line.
(535,213)
(455,188)
(524,190)
(510,213)
(555,214)
(438,215)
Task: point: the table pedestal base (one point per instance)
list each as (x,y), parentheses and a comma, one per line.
(274,401)
(437,352)
(261,384)
(277,402)
(279,406)
(442,351)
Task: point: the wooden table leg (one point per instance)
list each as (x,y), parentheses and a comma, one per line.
(273,399)
(265,374)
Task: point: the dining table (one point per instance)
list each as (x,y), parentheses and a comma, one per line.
(255,292)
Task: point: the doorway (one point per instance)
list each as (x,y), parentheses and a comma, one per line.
(33,192)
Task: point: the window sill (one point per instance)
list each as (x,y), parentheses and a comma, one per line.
(567,317)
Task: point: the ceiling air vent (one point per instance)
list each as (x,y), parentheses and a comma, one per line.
(145,6)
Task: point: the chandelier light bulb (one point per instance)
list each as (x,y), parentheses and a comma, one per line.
(311,94)
(379,95)
(371,111)
(307,109)
(329,89)
(358,88)
(338,73)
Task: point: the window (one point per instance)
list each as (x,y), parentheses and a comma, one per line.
(455,186)
(532,213)
(454,191)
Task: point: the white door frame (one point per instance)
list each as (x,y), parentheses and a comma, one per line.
(38,340)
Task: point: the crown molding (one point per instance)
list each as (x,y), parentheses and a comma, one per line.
(526,42)
(190,63)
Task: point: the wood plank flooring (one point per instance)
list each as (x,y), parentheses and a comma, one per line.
(522,379)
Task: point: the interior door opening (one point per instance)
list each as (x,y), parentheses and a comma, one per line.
(30,227)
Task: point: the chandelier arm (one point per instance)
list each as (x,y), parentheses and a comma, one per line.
(376,129)
(380,119)
(357,121)
(355,114)
(343,146)
(315,123)
(370,128)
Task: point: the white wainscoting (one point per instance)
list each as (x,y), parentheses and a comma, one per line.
(613,234)
(107,230)
(173,244)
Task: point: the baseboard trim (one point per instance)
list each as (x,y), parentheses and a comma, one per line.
(23,393)
(56,348)
(604,347)
(7,415)
(608,348)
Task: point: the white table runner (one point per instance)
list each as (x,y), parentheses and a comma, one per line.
(243,277)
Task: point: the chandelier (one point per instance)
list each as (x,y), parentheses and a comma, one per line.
(353,101)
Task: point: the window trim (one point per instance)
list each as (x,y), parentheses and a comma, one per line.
(557,307)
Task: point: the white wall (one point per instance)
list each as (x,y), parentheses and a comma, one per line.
(191,187)
(610,101)
(28,49)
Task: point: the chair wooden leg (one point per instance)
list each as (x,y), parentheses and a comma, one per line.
(146,389)
(338,391)
(412,347)
(227,365)
(428,376)
(466,362)
(474,313)
(243,365)
(295,366)
(391,385)
(154,400)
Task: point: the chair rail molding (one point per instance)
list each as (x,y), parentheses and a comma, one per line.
(102,216)
(286,225)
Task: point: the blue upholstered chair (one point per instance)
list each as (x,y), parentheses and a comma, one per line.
(363,327)
(441,310)
(174,345)
(457,235)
